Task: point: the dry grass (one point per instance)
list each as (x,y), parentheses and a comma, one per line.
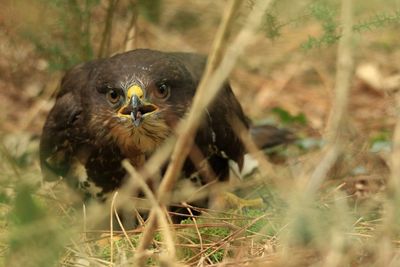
(330,200)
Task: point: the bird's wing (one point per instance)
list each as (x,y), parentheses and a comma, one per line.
(63,130)
(216,137)
(264,136)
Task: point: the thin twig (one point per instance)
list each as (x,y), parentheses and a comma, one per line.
(389,230)
(196,226)
(123,229)
(105,43)
(338,115)
(394,183)
(112,207)
(85,239)
(130,38)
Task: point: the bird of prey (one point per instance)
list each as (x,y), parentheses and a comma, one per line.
(125,107)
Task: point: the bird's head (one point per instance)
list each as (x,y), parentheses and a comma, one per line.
(140,96)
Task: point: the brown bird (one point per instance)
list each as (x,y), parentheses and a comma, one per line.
(124,107)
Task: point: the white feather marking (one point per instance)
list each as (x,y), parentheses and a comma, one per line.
(78,172)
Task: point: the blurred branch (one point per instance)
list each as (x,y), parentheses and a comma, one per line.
(105,43)
(112,207)
(217,69)
(338,116)
(87,20)
(184,143)
(390,220)
(130,39)
(220,42)
(394,182)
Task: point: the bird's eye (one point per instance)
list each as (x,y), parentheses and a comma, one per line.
(113,96)
(162,91)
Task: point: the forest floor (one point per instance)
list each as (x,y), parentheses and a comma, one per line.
(276,81)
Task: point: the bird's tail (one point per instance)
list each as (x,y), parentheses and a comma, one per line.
(266,136)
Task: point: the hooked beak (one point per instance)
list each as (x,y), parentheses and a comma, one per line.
(136,107)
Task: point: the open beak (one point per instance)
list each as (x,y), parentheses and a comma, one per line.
(136,107)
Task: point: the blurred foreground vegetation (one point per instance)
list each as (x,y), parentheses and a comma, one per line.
(286,77)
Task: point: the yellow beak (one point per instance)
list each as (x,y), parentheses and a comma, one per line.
(135,106)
